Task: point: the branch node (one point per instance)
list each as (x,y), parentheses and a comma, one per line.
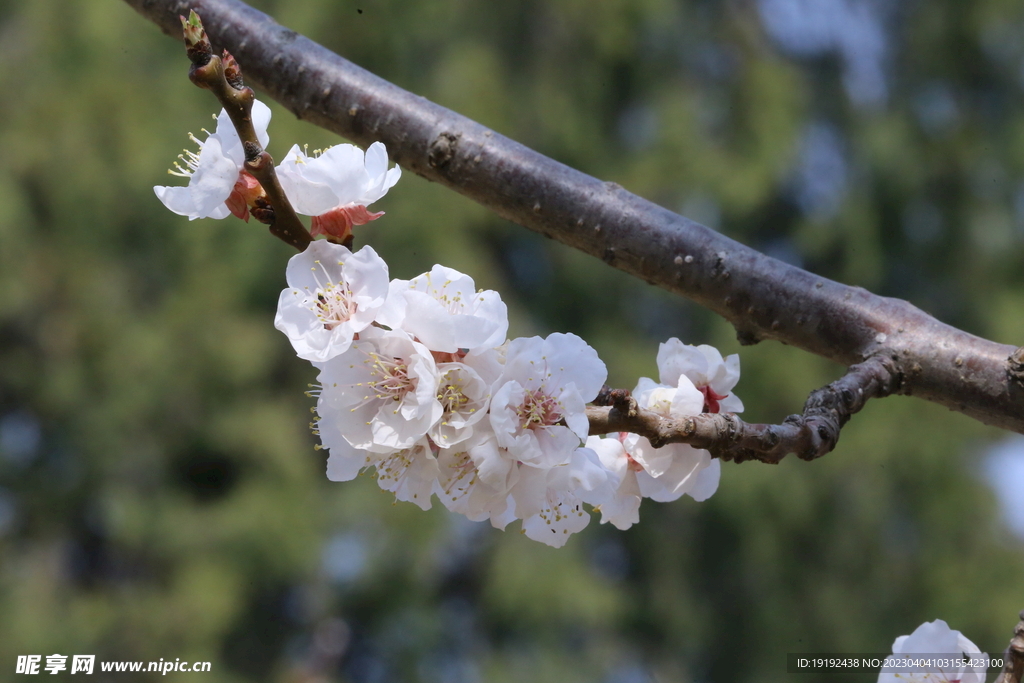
(1015,366)
(443,149)
(747,337)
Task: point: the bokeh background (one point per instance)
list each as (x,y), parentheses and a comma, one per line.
(160,496)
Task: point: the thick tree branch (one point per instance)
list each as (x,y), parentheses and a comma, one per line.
(762,297)
(1013,669)
(810,435)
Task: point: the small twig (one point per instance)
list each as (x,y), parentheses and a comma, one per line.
(1013,667)
(223,77)
(810,435)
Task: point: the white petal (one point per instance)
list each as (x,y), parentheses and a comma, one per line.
(530,491)
(378,179)
(376,160)
(575,411)
(342,169)
(304,330)
(231,144)
(493,464)
(570,359)
(500,520)
(730,404)
(679,478)
(410,474)
(687,400)
(261,121)
(731,375)
(623,510)
(655,461)
(556,523)
(427,320)
(460,488)
(178,200)
(213,180)
(345,462)
(707,481)
(308,197)
(676,358)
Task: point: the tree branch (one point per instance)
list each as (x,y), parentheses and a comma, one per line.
(222,76)
(1013,667)
(762,297)
(810,435)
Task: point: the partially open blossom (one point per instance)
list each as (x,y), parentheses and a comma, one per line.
(218,184)
(336,186)
(332,296)
(690,471)
(679,400)
(934,641)
(712,375)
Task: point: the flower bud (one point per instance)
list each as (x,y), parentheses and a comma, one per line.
(232,72)
(197,45)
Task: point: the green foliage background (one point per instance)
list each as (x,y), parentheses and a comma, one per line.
(160,491)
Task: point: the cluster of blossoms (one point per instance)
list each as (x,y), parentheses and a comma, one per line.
(418,381)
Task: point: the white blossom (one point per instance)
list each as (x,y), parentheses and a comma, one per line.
(934,640)
(218,184)
(679,400)
(538,409)
(332,296)
(550,500)
(712,375)
(464,398)
(384,389)
(336,186)
(692,472)
(410,473)
(461,489)
(443,310)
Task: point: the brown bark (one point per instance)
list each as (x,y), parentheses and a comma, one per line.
(1013,669)
(762,297)
(810,435)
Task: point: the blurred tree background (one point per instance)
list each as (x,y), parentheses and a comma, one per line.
(159,492)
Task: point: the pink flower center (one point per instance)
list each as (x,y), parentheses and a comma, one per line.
(334,305)
(539,410)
